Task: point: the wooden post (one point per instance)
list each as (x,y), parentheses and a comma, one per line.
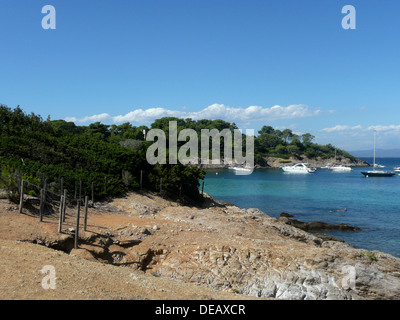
(141,179)
(19,178)
(42,201)
(43,179)
(42,207)
(160,185)
(86,212)
(21,196)
(64,204)
(61,185)
(61,214)
(77,225)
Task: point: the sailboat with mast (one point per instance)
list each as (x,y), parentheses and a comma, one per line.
(377,173)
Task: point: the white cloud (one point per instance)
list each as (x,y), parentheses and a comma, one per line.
(392,127)
(94,118)
(145,116)
(359,128)
(339,128)
(360,137)
(214,111)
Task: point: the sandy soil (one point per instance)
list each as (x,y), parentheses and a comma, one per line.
(78,274)
(143,246)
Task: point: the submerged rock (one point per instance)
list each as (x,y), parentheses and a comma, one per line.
(286,215)
(314,226)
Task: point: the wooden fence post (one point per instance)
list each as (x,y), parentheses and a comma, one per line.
(61,214)
(21,196)
(77,225)
(44,180)
(42,203)
(64,204)
(86,212)
(61,185)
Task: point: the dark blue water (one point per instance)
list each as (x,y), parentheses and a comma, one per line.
(373,204)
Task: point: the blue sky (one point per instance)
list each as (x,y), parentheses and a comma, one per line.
(284,63)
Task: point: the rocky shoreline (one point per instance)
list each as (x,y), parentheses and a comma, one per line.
(218,247)
(273,162)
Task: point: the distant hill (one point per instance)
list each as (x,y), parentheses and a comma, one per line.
(381,153)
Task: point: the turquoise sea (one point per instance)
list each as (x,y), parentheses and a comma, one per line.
(373,204)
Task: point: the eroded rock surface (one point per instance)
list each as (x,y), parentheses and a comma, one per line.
(219,246)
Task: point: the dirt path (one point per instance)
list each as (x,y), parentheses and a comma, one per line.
(78,274)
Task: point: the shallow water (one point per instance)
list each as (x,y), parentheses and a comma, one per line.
(373,204)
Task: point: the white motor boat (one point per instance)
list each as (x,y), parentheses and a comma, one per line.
(241,170)
(298,168)
(340,168)
(397,169)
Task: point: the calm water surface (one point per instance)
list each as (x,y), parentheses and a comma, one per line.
(373,204)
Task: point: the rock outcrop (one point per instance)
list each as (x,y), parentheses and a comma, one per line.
(315,226)
(219,246)
(319,162)
(246,251)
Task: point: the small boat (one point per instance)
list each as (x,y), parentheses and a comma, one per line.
(397,169)
(378,165)
(241,170)
(339,210)
(299,168)
(377,173)
(340,168)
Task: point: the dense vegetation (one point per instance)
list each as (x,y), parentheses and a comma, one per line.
(269,142)
(285,144)
(112,156)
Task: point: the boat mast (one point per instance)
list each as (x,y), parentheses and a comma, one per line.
(374,148)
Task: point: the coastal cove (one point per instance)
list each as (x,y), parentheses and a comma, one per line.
(371,204)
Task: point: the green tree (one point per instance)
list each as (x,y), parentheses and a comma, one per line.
(287,135)
(307,138)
